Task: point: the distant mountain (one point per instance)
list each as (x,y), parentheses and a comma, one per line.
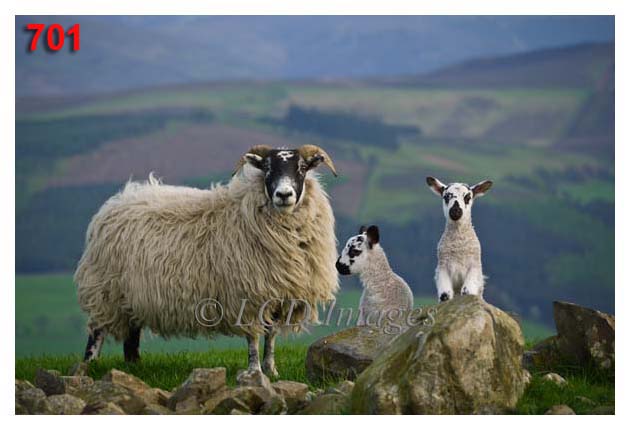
(119,52)
(588,65)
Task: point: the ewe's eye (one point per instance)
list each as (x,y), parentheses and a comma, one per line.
(467,198)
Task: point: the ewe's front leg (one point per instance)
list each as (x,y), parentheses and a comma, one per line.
(253,358)
(269,362)
(444,285)
(473,283)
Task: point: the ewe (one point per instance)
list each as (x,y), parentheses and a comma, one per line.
(459,251)
(155,252)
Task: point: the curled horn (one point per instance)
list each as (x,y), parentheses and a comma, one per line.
(260,150)
(309,151)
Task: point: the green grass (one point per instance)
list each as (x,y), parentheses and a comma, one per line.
(167,370)
(583,383)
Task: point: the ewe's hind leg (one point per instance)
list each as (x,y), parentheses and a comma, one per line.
(96,337)
(252,354)
(269,362)
(131,347)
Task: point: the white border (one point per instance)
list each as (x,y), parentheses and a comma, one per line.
(270,7)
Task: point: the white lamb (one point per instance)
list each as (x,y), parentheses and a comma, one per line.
(385,294)
(459,268)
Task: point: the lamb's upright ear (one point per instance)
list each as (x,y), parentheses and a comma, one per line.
(436,186)
(372,235)
(481,188)
(362,229)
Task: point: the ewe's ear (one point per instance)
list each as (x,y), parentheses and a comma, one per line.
(436,186)
(481,188)
(372,235)
(255,160)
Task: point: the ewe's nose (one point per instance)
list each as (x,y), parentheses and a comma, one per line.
(284,194)
(455,212)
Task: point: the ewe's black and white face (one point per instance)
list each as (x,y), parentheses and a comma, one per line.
(457,198)
(354,256)
(285,171)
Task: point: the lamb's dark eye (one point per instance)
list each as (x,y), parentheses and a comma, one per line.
(447,198)
(467,198)
(353,253)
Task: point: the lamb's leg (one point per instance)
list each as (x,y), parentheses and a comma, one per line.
(444,285)
(96,337)
(131,347)
(253,358)
(473,283)
(269,362)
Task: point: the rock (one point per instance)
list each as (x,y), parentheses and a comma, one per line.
(31,401)
(157,396)
(555,378)
(79,368)
(585,335)
(98,395)
(238,412)
(201,383)
(468,362)
(327,404)
(155,409)
(66,404)
(189,406)
(345,354)
(228,405)
(294,394)
(21,385)
(276,405)
(49,381)
(544,355)
(123,379)
(103,408)
(253,397)
(560,410)
(344,388)
(246,378)
(527,377)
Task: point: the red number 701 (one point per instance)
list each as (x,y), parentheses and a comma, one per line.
(55,36)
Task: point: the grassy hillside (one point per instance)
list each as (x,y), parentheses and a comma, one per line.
(546,227)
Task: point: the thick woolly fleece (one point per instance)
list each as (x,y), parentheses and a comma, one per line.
(383,290)
(153,252)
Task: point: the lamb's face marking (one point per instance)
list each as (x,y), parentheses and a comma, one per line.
(353,258)
(457,198)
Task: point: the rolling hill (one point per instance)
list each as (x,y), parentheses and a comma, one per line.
(547,226)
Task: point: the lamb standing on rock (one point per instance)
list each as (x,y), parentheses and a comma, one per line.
(459,268)
(154,253)
(383,290)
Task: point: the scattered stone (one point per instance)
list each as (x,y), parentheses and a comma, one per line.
(21,385)
(560,410)
(253,397)
(468,362)
(344,388)
(189,406)
(228,405)
(246,378)
(544,355)
(155,409)
(327,404)
(294,394)
(103,408)
(345,354)
(158,396)
(130,382)
(50,381)
(238,412)
(555,378)
(65,404)
(31,401)
(99,394)
(585,335)
(79,368)
(201,383)
(276,405)
(527,377)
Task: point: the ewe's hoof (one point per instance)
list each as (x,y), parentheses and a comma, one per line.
(271,371)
